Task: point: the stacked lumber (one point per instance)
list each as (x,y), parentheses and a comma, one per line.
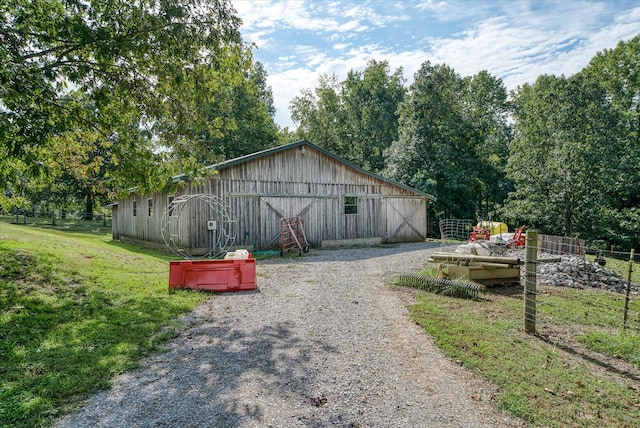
(481,269)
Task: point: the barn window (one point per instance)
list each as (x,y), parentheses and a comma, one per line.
(350,205)
(135,208)
(150,207)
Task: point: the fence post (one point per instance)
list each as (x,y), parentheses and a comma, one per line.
(626,299)
(531,262)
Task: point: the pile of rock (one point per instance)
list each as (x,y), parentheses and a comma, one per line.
(576,272)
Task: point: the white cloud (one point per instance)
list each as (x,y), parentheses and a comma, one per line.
(432,5)
(516,40)
(353,25)
(370,15)
(340,46)
(521,50)
(286,86)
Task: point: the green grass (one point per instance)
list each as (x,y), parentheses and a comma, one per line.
(546,385)
(76,309)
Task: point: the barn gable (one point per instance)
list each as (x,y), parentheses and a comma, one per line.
(336,200)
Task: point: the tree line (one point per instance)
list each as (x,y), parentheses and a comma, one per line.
(99,97)
(560,155)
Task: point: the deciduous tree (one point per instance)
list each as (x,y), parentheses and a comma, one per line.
(370,101)
(564,156)
(143,64)
(451,138)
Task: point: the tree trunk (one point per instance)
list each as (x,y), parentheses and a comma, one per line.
(88,212)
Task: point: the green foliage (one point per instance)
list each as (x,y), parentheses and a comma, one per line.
(252,118)
(356,119)
(98,97)
(559,155)
(452,140)
(133,53)
(227,113)
(371,99)
(568,137)
(488,111)
(618,70)
(578,137)
(321,117)
(70,322)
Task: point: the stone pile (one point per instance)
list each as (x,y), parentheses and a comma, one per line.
(576,272)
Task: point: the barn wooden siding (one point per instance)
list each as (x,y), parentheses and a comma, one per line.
(301,180)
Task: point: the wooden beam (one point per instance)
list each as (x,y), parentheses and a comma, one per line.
(454,257)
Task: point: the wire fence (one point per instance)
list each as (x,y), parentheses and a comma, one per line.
(452,229)
(580,292)
(55,217)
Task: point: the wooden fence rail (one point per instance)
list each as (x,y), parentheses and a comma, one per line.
(561,245)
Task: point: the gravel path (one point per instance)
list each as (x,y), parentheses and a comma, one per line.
(324,341)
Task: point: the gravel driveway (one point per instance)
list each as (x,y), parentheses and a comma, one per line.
(324,341)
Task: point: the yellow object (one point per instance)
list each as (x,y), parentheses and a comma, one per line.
(494,227)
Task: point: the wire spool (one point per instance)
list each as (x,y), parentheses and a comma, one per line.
(199,226)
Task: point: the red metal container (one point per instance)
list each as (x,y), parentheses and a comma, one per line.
(213,275)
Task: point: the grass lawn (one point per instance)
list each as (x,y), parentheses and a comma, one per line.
(589,377)
(76,310)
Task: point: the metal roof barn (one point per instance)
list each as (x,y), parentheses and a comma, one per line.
(339,203)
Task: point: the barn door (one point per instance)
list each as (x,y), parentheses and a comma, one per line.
(273,208)
(406,220)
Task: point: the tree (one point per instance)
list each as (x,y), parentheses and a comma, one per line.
(251,116)
(564,156)
(618,70)
(357,118)
(487,110)
(370,100)
(439,141)
(320,116)
(80,166)
(142,64)
(232,118)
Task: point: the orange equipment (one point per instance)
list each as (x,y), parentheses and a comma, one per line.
(479,233)
(519,238)
(213,275)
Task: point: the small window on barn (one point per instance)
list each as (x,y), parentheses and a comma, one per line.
(150,207)
(350,205)
(135,208)
(169,202)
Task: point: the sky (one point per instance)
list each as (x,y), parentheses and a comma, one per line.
(297,41)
